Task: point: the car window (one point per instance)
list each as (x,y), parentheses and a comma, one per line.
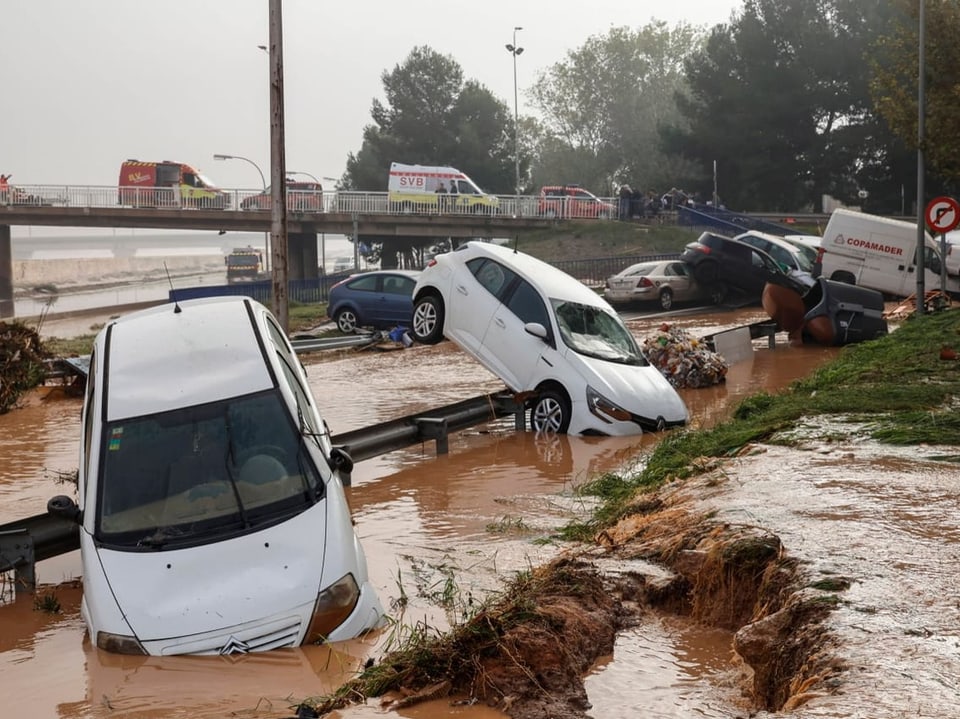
(364,283)
(676,269)
(740,252)
(493,276)
(398,285)
(582,195)
(641,270)
(782,256)
(525,302)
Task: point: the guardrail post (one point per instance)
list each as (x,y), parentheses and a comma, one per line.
(16,553)
(434,428)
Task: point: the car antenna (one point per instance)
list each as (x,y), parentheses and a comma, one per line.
(176,305)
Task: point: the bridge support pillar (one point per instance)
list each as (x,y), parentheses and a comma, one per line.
(302,256)
(6,273)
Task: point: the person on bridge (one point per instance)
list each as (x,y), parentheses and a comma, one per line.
(4,189)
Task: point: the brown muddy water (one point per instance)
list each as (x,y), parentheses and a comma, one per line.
(444,531)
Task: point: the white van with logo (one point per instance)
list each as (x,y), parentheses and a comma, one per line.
(425,188)
(879,253)
(212,515)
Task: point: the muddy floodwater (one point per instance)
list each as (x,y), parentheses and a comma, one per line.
(441,532)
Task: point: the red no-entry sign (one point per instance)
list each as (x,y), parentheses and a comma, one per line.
(942,214)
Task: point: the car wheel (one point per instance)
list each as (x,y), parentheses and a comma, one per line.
(666,298)
(718,293)
(550,413)
(347,321)
(428,320)
(706,272)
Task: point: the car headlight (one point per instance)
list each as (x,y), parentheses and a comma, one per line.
(604,408)
(119,643)
(334,604)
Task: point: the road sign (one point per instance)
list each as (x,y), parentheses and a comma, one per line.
(942,214)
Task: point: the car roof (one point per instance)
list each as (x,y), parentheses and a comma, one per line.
(182,354)
(551,281)
(777,240)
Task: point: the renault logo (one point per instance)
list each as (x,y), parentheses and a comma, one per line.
(234,646)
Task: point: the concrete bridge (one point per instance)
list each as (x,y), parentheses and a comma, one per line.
(365,216)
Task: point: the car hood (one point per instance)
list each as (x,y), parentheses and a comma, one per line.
(641,390)
(218,586)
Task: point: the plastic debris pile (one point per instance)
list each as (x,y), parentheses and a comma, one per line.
(683,359)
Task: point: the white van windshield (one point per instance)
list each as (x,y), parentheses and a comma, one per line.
(592,331)
(199,474)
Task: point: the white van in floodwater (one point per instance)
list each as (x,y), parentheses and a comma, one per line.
(879,253)
(212,515)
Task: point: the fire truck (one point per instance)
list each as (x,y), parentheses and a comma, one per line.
(168,184)
(243,264)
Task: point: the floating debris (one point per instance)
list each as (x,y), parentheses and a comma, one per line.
(683,359)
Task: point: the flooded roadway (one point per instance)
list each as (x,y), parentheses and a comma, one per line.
(440,532)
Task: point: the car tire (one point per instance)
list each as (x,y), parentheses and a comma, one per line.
(706,272)
(428,320)
(550,412)
(347,321)
(718,293)
(666,298)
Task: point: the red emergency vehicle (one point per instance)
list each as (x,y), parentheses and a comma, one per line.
(168,184)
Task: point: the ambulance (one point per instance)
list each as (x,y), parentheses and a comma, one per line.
(168,184)
(425,188)
(879,253)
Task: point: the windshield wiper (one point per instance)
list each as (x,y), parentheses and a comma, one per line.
(230,462)
(160,537)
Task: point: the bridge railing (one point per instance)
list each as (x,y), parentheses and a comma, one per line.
(345,202)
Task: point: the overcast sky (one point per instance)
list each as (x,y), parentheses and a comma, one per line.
(86,84)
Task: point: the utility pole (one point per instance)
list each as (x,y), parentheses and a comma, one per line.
(278,171)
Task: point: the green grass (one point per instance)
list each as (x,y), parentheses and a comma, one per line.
(895,390)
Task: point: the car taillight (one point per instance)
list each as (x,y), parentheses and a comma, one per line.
(431,263)
(644,282)
(820,253)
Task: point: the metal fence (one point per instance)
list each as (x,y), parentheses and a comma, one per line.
(591,272)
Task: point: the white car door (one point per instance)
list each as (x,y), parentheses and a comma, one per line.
(473,301)
(508,350)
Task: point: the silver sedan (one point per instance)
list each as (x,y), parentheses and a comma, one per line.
(661,281)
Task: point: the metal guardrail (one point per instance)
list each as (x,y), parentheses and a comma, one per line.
(26,541)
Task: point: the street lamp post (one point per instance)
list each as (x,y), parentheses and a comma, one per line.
(263,184)
(514,50)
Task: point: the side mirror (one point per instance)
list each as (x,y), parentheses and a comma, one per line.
(63,507)
(536,329)
(341,461)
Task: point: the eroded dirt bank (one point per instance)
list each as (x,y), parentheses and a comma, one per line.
(527,653)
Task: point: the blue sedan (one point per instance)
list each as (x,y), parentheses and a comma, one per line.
(381,299)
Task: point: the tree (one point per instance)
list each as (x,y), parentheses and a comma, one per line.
(603,104)
(895,82)
(779,100)
(431,116)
